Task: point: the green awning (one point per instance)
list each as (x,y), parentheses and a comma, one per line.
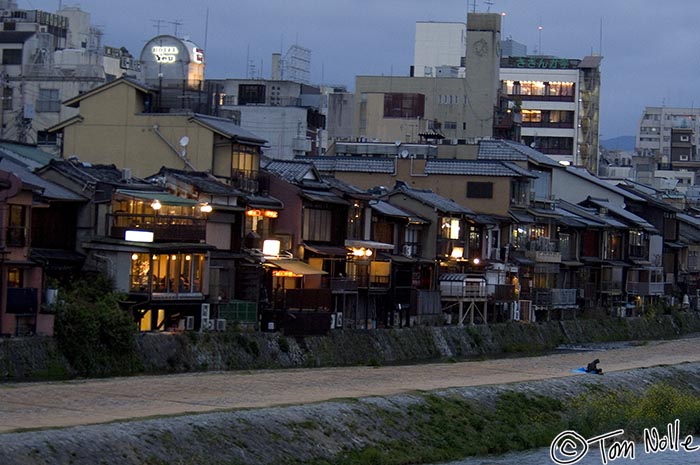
(163,197)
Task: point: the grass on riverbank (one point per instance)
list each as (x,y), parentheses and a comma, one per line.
(444,428)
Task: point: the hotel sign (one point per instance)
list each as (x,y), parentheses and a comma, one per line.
(165,54)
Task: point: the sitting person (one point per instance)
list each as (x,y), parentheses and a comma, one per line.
(593,367)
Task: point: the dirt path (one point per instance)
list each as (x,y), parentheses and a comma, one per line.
(57,404)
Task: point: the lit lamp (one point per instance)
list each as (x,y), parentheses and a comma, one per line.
(205,208)
(156,205)
(457,253)
(362,252)
(476,261)
(271,248)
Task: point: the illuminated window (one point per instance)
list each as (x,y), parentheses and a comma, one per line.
(450,228)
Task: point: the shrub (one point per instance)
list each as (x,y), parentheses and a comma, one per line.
(95,335)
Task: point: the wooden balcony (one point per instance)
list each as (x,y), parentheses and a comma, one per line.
(164,228)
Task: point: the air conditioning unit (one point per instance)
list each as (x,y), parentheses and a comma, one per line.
(189,323)
(221,324)
(205,311)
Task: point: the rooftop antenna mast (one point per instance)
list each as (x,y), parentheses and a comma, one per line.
(176,23)
(157,23)
(488,5)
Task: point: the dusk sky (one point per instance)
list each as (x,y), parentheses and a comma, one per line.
(649,48)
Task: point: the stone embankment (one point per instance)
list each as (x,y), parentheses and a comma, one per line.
(39,358)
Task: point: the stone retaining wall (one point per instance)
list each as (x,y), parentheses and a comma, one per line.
(38,358)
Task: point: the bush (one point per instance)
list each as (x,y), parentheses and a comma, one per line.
(96,336)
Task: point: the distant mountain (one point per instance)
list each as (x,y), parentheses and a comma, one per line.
(625,143)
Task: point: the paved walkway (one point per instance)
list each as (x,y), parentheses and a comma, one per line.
(58,404)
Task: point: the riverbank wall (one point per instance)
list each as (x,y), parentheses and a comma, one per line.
(421,427)
(37,358)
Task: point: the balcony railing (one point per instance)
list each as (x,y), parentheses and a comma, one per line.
(554,298)
(250,181)
(645,289)
(164,228)
(611,287)
(543,250)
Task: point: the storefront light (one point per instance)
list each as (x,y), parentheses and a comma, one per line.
(457,253)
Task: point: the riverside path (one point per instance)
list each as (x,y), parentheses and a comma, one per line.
(77,402)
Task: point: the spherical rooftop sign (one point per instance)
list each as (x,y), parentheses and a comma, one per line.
(168,60)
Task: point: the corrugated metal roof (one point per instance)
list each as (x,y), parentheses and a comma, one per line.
(621,212)
(50,190)
(387,209)
(228,128)
(31,155)
(323,196)
(585,174)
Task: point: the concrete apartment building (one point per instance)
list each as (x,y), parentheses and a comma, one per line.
(439,49)
(654,132)
(46,59)
(401,108)
(560,105)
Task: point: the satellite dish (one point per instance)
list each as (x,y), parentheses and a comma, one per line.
(404,153)
(184,140)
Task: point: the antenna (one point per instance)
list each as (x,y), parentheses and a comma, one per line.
(488,5)
(157,24)
(175,23)
(206,30)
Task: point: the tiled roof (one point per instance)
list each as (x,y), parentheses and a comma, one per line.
(474,168)
(507,150)
(88,173)
(434,200)
(342,186)
(293,171)
(353,164)
(203,182)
